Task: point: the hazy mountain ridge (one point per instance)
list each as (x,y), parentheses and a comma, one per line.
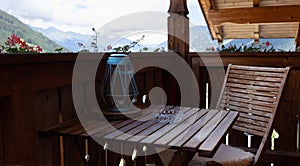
(11,25)
(68,39)
(200,39)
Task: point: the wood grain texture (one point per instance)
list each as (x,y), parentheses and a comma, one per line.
(185,125)
(251,15)
(20,123)
(47,109)
(199,137)
(251,107)
(5,88)
(161,132)
(178,36)
(3,106)
(241,18)
(210,144)
(204,116)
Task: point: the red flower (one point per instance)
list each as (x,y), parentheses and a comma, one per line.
(39,49)
(22,44)
(15,38)
(19,45)
(10,42)
(268,43)
(28,48)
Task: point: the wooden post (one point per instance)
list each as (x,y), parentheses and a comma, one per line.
(178,41)
(297,40)
(178,28)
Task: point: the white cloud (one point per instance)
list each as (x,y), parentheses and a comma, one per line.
(81,15)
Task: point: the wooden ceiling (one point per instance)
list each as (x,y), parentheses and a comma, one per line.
(237,19)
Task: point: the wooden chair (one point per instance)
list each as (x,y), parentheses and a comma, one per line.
(255,93)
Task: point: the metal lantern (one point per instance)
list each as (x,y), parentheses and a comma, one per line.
(119,90)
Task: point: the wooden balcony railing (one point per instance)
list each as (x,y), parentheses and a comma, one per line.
(36,92)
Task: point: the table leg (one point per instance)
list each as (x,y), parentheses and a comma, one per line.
(155,157)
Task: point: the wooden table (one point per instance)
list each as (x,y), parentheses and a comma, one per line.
(199,131)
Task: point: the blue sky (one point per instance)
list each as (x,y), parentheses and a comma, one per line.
(80,15)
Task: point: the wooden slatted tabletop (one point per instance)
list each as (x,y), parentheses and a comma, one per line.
(199,130)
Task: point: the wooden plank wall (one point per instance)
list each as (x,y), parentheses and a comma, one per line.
(36,92)
(285,123)
(3,106)
(154,77)
(47,110)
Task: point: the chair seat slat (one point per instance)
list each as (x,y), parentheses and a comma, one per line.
(254,78)
(252,92)
(254,117)
(247,106)
(247,130)
(254,68)
(250,126)
(252,82)
(252,87)
(258,73)
(252,96)
(252,121)
(248,101)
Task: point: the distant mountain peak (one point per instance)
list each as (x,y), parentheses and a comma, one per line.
(67,39)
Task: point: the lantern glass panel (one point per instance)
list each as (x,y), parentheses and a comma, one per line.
(119,89)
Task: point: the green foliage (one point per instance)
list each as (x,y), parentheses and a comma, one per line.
(126,48)
(59,49)
(11,25)
(161,49)
(144,49)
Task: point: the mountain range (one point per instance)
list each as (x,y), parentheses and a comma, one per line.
(68,39)
(200,40)
(11,25)
(51,38)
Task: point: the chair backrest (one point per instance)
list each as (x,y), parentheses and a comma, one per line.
(255,93)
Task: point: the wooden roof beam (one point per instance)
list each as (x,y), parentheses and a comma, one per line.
(205,7)
(219,34)
(255,15)
(210,4)
(256,34)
